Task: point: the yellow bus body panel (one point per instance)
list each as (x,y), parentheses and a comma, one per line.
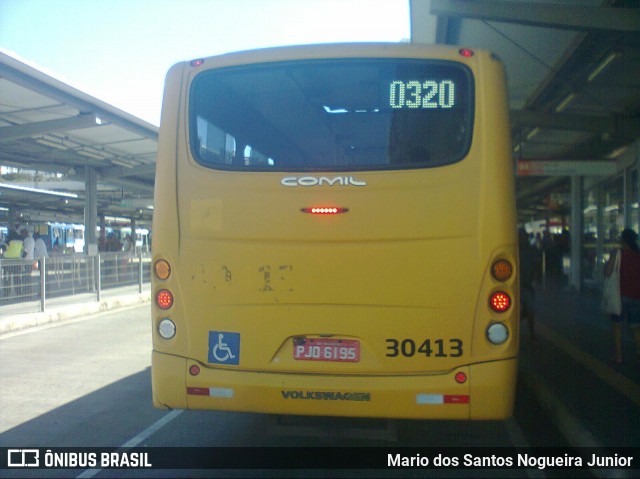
(398,396)
(406,267)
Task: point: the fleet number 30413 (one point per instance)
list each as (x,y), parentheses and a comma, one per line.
(439,348)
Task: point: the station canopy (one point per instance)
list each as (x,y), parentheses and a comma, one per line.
(57,131)
(573,75)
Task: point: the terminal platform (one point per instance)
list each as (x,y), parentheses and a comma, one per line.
(593,401)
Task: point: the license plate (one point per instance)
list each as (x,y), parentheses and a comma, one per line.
(323,349)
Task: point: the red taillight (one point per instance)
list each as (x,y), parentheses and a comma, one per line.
(324,210)
(466,52)
(197,63)
(500,301)
(164,299)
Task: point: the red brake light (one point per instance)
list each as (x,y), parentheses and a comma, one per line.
(164,299)
(466,52)
(500,302)
(324,210)
(197,63)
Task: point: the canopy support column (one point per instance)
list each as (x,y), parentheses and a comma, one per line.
(91,212)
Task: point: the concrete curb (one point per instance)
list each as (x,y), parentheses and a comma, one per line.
(59,313)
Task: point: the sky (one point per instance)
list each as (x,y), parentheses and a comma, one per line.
(120,50)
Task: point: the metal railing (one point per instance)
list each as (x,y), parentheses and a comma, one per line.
(70,274)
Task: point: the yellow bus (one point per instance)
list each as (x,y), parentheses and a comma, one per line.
(334,234)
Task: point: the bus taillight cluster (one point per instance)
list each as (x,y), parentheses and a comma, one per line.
(499,301)
(164,299)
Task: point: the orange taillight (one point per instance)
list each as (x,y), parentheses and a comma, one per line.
(502,270)
(162,269)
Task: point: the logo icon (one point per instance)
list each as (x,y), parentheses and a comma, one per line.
(23,457)
(224,347)
(323,180)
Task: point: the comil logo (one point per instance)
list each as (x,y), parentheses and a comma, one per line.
(23,458)
(323,180)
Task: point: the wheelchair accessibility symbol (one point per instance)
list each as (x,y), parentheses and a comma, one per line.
(224,347)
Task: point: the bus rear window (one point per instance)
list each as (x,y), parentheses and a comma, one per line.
(332,115)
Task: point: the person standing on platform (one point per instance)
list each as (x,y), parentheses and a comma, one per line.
(40,248)
(629,292)
(14,247)
(28,243)
(11,273)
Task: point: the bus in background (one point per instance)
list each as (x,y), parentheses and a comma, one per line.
(141,238)
(335,234)
(58,237)
(63,237)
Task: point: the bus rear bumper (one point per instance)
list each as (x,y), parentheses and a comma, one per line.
(487,394)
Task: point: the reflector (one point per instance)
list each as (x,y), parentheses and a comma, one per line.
(461,378)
